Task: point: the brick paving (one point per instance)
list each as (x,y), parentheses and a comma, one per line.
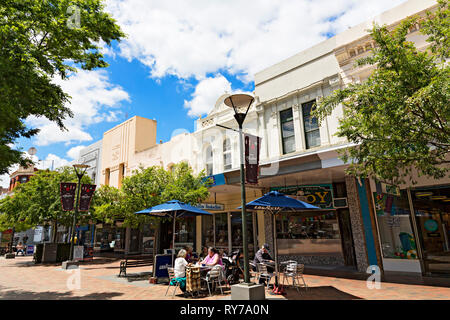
(21,279)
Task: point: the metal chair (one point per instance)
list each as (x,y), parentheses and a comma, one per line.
(264,274)
(215,275)
(172,276)
(254,274)
(295,271)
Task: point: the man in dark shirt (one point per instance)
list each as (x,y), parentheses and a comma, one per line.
(263,256)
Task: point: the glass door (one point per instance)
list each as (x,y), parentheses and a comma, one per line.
(236,232)
(432,213)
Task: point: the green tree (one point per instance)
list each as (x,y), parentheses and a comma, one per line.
(38,202)
(41,40)
(107,204)
(146,188)
(399,117)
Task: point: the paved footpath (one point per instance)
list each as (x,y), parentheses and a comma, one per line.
(21,279)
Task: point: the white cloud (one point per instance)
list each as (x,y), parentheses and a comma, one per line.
(199,37)
(92,98)
(74,153)
(52,161)
(206,94)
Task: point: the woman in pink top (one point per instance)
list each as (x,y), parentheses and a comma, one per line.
(212,258)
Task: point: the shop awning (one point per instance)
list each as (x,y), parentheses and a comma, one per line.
(173,209)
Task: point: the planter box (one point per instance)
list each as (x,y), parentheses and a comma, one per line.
(50,252)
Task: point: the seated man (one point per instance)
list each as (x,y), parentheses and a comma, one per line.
(263,256)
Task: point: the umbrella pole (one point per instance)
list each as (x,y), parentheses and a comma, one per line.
(274,225)
(173,237)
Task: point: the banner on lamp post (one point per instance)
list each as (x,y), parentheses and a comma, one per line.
(67,191)
(252,144)
(87,191)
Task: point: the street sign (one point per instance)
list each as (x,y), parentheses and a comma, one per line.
(30,250)
(160,265)
(78,253)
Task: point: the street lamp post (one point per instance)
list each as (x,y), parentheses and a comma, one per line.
(241,104)
(80,170)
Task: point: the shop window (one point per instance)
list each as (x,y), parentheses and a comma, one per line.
(313,234)
(432,214)
(184,228)
(208,231)
(121,173)
(394,225)
(287,131)
(311,125)
(209,161)
(148,239)
(226,154)
(236,232)
(107,176)
(221,222)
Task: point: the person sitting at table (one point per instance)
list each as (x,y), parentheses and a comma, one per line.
(213,258)
(180,270)
(204,253)
(189,255)
(263,256)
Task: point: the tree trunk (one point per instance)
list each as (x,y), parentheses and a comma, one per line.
(55,230)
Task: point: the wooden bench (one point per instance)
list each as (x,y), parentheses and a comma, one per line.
(134,262)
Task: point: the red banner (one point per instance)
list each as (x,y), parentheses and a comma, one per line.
(252,145)
(67,191)
(87,191)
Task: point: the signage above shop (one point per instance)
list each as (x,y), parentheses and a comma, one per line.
(210,206)
(390,189)
(216,180)
(320,195)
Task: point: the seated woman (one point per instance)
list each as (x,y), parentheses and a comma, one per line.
(180,270)
(213,258)
(189,255)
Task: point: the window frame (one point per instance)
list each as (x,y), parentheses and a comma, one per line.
(305,131)
(283,138)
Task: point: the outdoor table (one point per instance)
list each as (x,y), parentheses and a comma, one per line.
(193,277)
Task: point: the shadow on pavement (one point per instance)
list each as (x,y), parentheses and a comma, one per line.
(319,293)
(51,295)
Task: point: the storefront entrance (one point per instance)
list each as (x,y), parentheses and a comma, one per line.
(224,232)
(432,214)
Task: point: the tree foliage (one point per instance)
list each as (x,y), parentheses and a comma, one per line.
(40,41)
(38,201)
(146,188)
(399,117)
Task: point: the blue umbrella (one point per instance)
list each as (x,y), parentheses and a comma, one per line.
(173,209)
(275,202)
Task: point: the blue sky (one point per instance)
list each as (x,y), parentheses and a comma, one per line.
(181,55)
